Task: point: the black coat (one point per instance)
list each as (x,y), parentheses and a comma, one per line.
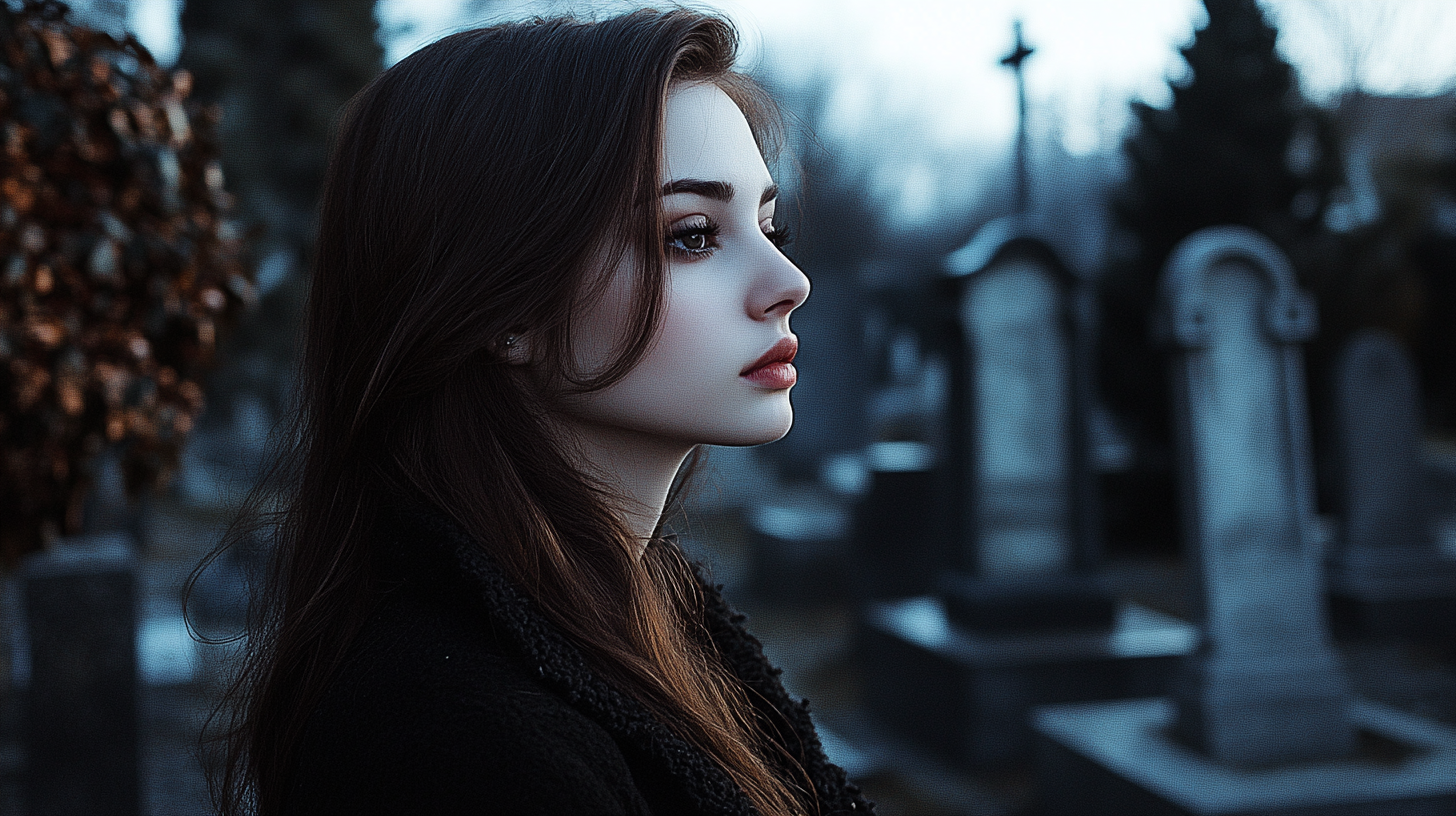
(460,697)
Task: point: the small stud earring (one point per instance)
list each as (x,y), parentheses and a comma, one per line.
(510,340)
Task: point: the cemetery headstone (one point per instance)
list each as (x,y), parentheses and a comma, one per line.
(1022,619)
(1028,529)
(1264,686)
(1263,702)
(81,742)
(1387,578)
(899,543)
(800,541)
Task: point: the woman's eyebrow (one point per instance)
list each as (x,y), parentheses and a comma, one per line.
(716,190)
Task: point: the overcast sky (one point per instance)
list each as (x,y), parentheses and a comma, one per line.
(913,81)
(935,61)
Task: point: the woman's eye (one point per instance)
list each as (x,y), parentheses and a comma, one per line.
(694,239)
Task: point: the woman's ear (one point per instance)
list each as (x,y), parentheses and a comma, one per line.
(514,347)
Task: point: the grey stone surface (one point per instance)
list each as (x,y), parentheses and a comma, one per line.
(800,542)
(1026,488)
(1387,575)
(900,544)
(1118,758)
(965,696)
(1021,418)
(1264,687)
(1378,433)
(81,738)
(1024,409)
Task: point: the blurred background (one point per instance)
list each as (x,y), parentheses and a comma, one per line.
(930,144)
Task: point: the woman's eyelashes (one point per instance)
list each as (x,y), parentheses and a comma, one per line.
(693,238)
(697,237)
(778,235)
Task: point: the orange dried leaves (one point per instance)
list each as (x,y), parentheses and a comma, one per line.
(118,263)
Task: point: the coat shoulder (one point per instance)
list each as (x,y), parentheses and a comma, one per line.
(429,714)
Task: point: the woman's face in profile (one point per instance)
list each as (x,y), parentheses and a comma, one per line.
(729,295)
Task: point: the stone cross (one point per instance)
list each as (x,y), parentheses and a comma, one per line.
(1264,686)
(1016,60)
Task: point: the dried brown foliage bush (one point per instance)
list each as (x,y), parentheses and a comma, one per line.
(118,265)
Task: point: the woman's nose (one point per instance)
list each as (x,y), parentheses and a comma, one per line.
(783,288)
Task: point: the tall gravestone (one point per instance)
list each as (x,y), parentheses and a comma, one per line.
(1387,577)
(1263,701)
(1022,619)
(81,739)
(1264,686)
(1028,525)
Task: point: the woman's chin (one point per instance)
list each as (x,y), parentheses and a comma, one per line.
(761,432)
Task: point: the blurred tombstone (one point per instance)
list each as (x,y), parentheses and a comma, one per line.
(1263,702)
(899,545)
(1387,577)
(800,540)
(81,710)
(1028,512)
(1024,620)
(1264,686)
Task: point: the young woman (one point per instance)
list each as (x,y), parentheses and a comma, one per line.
(547,269)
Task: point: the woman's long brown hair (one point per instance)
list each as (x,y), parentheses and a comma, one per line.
(474,190)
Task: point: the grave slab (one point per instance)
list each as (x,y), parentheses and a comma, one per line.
(899,544)
(966,696)
(1120,758)
(81,734)
(1022,615)
(800,544)
(1387,576)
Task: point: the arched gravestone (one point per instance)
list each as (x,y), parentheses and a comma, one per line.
(1264,686)
(1387,577)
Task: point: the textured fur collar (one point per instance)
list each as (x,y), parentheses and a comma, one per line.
(563,668)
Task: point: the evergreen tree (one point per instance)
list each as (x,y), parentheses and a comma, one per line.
(280,71)
(1237,146)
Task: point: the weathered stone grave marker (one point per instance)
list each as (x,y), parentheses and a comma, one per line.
(1387,577)
(1028,511)
(1265,686)
(898,542)
(1024,620)
(1263,703)
(81,703)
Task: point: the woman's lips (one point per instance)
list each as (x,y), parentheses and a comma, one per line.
(775,370)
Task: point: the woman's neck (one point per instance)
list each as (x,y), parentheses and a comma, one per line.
(638,468)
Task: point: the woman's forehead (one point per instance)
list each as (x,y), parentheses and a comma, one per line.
(706,137)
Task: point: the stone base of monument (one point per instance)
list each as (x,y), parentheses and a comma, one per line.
(966,696)
(1118,758)
(1402,594)
(1035,602)
(799,551)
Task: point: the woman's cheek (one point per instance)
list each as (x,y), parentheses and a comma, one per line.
(698,330)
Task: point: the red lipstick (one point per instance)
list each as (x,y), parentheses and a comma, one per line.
(775,370)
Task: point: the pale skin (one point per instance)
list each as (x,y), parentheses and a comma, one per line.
(729,295)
